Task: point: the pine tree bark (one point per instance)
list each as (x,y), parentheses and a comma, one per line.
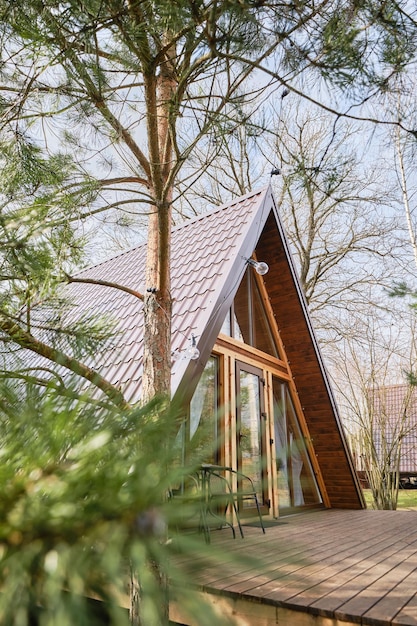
(156,378)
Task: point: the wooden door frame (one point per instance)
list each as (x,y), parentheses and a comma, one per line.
(256,371)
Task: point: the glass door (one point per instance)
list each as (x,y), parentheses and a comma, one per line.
(251,422)
(297,486)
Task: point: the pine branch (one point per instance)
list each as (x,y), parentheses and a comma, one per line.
(27,341)
(104,283)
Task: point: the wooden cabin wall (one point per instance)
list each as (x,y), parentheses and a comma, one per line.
(315,397)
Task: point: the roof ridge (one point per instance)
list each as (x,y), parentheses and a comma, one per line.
(181,226)
(221,207)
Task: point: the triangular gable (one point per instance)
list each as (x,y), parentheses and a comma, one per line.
(209,259)
(307,367)
(260,230)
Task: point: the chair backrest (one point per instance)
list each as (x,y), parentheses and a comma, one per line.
(188,485)
(245,483)
(218,485)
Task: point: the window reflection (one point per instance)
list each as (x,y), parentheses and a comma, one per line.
(296,481)
(203,425)
(247,320)
(250,434)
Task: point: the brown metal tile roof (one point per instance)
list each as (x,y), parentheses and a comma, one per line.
(205,252)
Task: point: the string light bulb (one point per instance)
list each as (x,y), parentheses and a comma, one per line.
(260,267)
(193,352)
(176,355)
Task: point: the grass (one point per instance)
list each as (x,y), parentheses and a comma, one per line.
(407,498)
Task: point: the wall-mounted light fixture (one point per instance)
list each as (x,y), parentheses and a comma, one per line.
(260,267)
(193,352)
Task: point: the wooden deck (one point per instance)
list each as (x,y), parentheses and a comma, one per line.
(323,568)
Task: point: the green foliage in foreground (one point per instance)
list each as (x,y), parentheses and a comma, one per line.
(83,500)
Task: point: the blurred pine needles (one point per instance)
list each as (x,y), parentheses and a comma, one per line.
(84,498)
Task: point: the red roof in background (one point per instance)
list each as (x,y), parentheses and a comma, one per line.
(394,413)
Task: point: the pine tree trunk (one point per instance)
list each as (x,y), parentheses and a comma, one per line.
(156,378)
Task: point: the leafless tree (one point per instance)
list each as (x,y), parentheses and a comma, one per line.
(378,402)
(334,204)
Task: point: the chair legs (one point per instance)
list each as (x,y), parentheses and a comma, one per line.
(221,494)
(247,492)
(218,495)
(235,509)
(259,513)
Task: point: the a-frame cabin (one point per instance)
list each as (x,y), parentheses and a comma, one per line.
(259,385)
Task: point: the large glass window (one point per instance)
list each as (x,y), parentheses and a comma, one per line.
(297,486)
(247,320)
(203,423)
(262,339)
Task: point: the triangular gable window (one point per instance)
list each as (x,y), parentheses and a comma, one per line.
(247,320)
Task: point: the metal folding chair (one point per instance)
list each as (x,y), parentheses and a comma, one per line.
(220,497)
(190,501)
(246,491)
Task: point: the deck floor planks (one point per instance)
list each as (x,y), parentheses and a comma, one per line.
(392,602)
(307,559)
(309,563)
(351,565)
(407,616)
(376,584)
(334,590)
(299,590)
(260,552)
(336,601)
(287,558)
(290,558)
